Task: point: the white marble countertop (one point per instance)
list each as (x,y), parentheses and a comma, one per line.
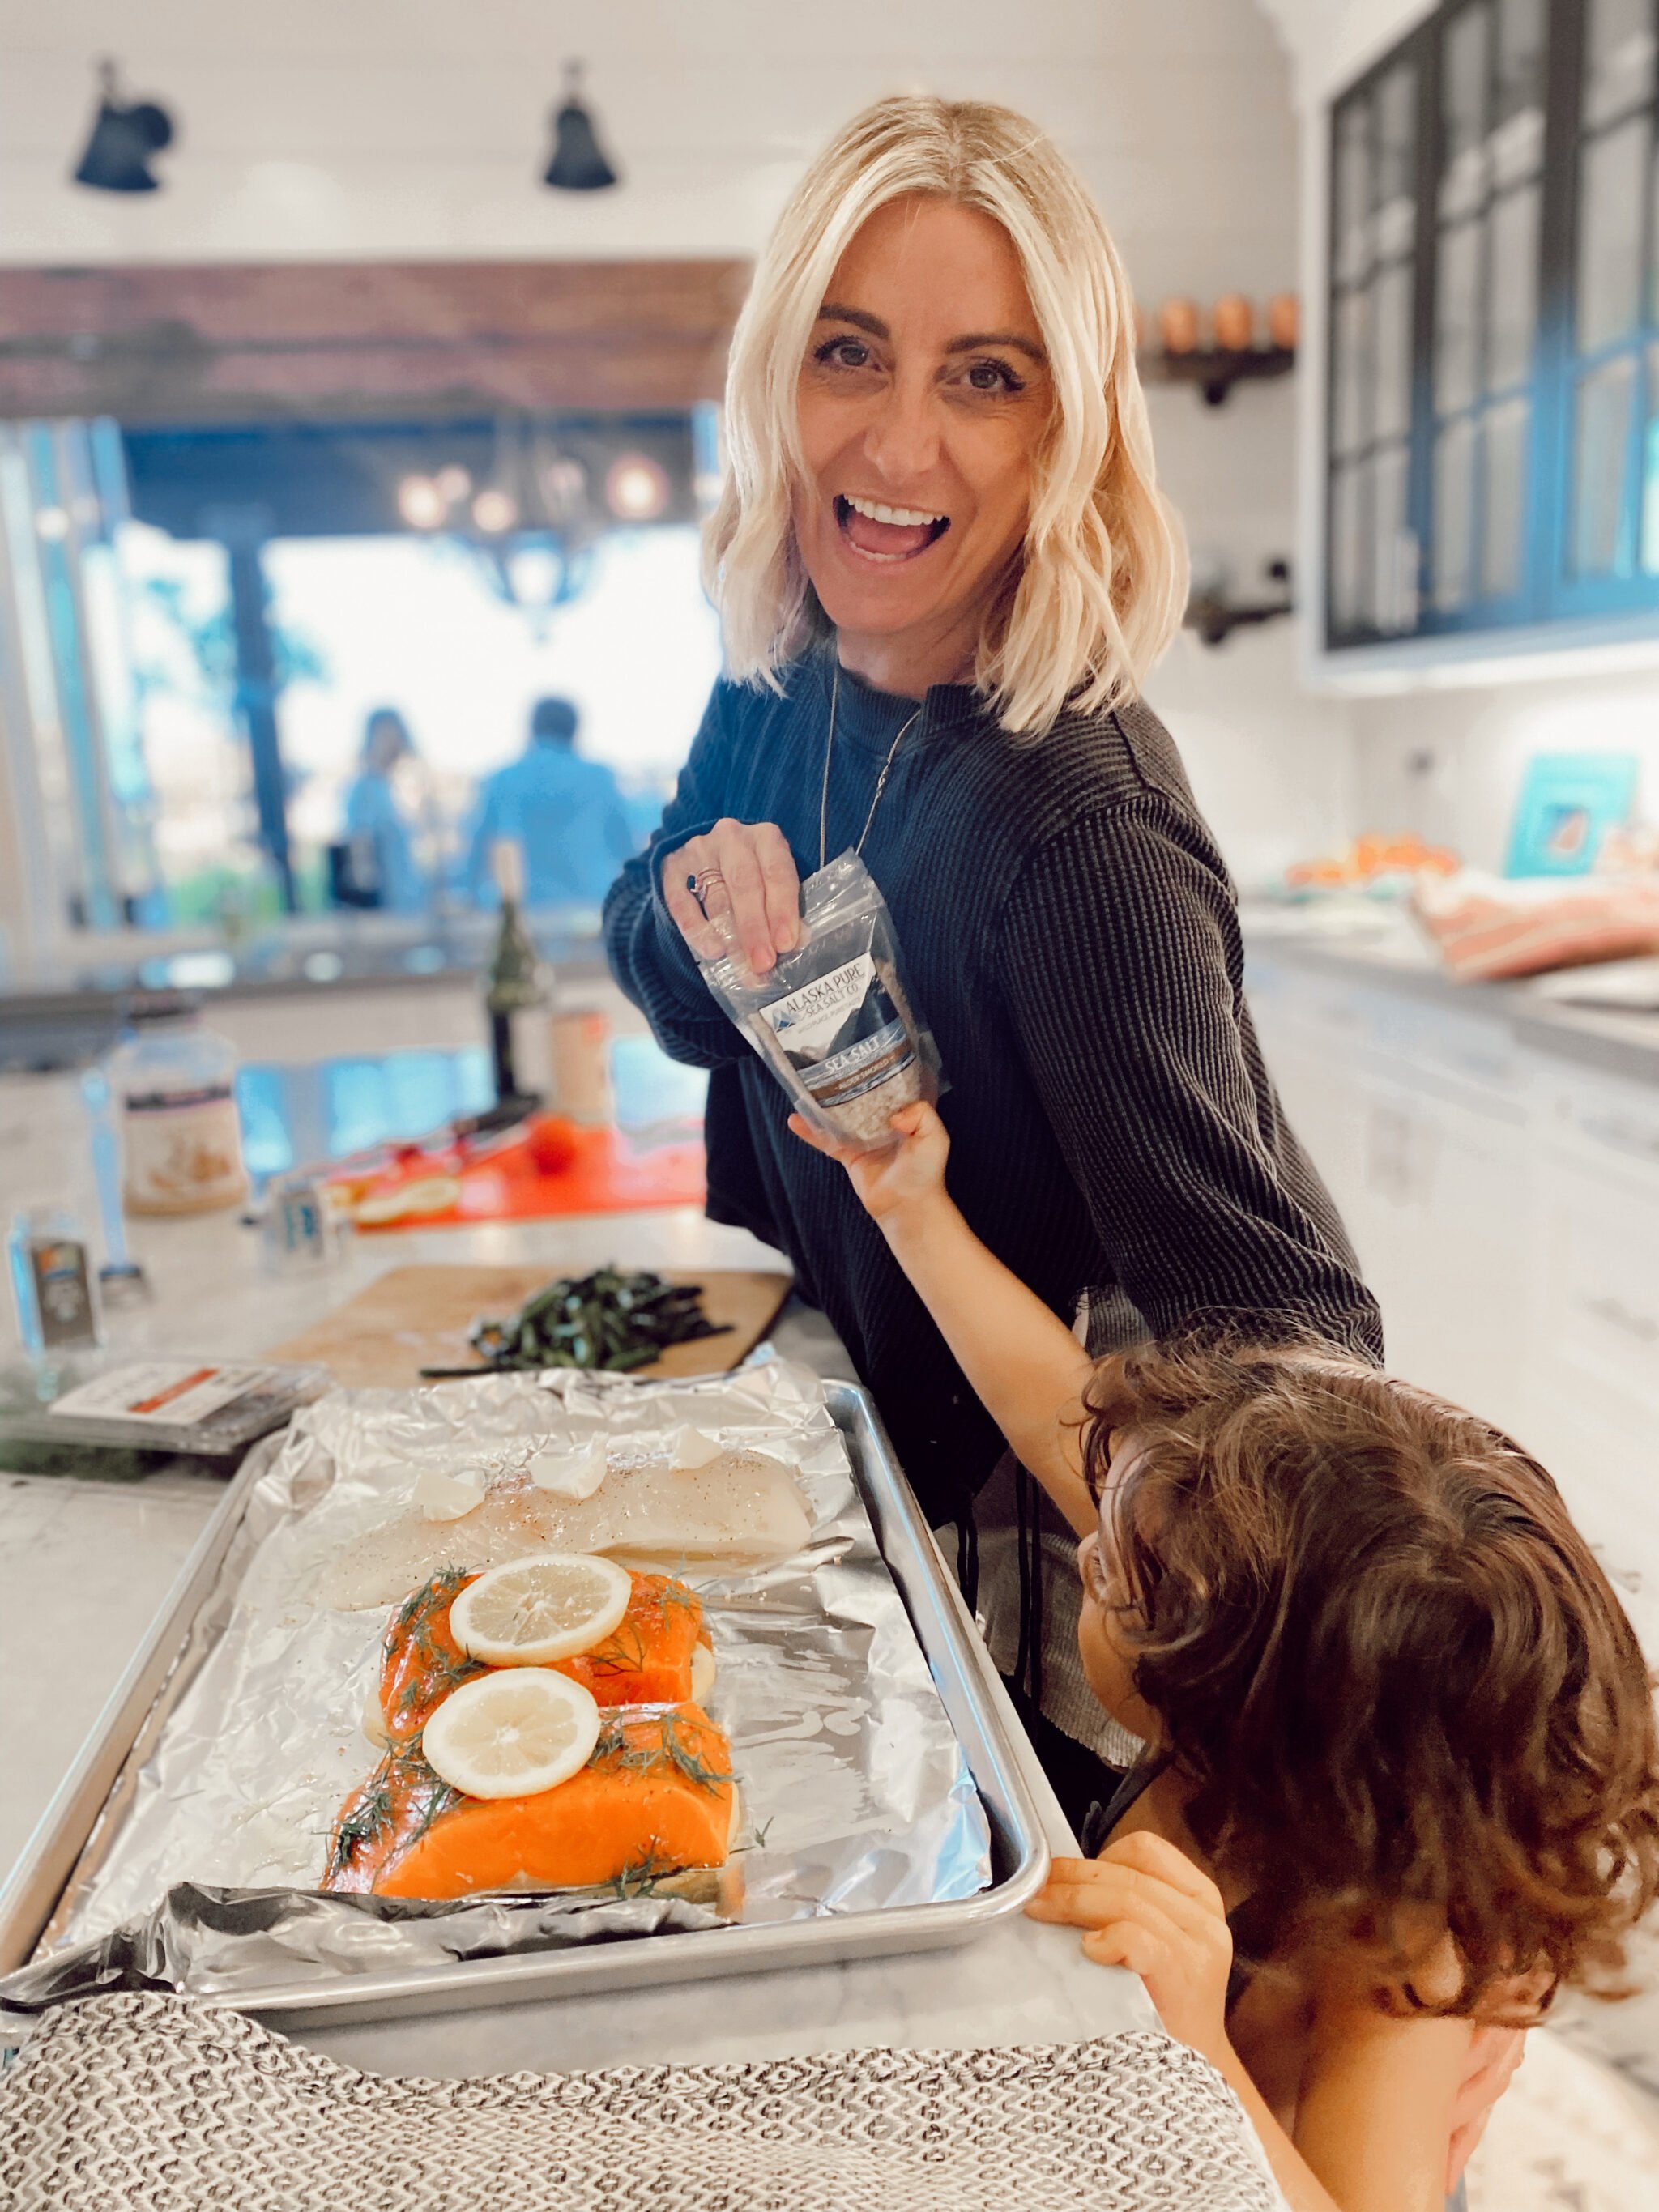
(83,1566)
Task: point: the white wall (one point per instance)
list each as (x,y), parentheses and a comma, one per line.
(416,127)
(1270,761)
(1332,40)
(410,128)
(1448,764)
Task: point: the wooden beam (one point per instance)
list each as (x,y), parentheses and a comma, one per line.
(199,343)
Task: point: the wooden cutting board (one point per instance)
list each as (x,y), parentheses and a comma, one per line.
(416,1318)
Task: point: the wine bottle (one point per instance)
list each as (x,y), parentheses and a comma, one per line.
(513,983)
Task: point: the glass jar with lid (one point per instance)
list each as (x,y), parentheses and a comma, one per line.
(174,1085)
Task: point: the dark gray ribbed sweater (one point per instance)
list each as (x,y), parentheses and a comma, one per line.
(1068,929)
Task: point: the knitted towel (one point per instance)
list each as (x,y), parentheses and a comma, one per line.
(136,2102)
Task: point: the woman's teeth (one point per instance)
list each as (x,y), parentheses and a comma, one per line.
(881,533)
(907,516)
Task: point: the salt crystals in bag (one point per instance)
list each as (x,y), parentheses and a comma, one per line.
(832,1017)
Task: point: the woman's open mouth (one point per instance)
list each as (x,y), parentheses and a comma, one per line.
(887,533)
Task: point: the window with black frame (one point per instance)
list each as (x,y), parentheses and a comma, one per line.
(1373,559)
(1488,203)
(1610,538)
(1493,423)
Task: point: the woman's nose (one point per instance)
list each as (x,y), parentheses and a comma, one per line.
(903,441)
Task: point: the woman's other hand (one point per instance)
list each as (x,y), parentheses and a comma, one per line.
(1145,1906)
(751,901)
(901,1176)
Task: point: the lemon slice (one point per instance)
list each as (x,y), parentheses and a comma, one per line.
(512,1735)
(527,1612)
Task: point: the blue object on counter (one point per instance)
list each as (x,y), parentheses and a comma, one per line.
(1568,803)
(293,1114)
(51,1282)
(106,1174)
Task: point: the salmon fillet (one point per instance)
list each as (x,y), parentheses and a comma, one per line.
(657,1796)
(646,1661)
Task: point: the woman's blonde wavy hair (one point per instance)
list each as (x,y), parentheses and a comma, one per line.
(1102,583)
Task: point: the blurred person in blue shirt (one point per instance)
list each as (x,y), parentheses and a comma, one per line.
(383,866)
(566,812)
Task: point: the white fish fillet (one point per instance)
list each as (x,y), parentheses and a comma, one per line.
(743,1509)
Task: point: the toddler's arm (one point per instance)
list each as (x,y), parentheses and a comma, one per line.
(1024,1364)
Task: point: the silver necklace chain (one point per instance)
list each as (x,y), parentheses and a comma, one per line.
(881,780)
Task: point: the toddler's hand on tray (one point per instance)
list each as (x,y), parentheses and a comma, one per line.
(1145,1906)
(736,890)
(905,1174)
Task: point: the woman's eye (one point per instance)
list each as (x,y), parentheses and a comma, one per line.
(994,376)
(843,353)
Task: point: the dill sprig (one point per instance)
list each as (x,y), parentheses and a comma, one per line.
(642,1878)
(437,1797)
(438,1670)
(366,1823)
(622,1651)
(439,1673)
(676,1593)
(669,1749)
(433,1593)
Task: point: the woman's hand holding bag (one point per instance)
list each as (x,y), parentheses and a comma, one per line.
(736,888)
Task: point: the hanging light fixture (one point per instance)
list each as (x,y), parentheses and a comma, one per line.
(637,487)
(124,135)
(495,510)
(421,502)
(578,164)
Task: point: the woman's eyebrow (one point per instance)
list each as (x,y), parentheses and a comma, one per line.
(976,340)
(833,312)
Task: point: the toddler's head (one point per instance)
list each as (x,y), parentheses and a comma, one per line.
(1391,1674)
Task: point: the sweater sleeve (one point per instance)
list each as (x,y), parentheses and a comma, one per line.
(1122,956)
(650,960)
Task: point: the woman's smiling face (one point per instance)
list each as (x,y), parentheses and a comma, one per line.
(923,398)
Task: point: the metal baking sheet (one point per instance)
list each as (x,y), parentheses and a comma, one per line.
(62,1871)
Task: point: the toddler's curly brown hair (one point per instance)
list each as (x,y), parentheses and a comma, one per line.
(1391,1673)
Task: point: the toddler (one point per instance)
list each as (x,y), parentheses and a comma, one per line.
(1400,1781)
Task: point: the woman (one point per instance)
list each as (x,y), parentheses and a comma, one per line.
(942,567)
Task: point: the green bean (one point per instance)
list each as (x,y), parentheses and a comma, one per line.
(605,1320)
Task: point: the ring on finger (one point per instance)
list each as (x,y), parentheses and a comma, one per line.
(700,885)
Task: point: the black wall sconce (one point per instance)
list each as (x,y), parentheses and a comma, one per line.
(124,135)
(1215,616)
(579,164)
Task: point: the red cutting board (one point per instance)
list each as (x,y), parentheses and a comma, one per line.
(600,1170)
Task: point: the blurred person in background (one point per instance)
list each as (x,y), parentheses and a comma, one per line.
(566,814)
(380,851)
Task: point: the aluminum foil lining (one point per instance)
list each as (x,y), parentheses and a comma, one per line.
(223,1941)
(856,1795)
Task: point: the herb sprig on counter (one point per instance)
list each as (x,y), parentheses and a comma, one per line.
(606,1321)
